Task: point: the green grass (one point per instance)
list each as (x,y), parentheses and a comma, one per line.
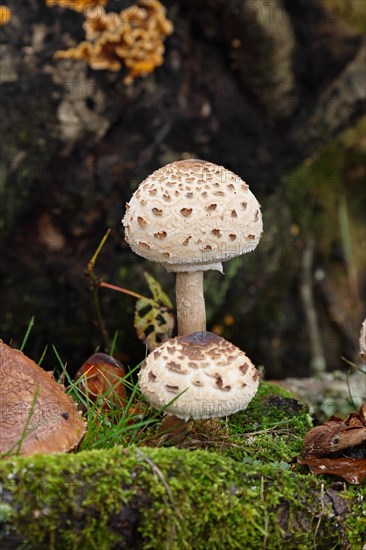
(112,425)
(270,430)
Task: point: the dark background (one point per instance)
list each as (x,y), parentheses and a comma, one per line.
(266,89)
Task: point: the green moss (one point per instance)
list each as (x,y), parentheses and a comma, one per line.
(270,430)
(353,13)
(273,405)
(245,496)
(172,499)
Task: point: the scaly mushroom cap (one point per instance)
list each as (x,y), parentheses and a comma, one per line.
(363,341)
(191,215)
(206,375)
(32,401)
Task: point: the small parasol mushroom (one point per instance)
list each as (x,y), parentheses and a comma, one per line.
(204,374)
(191,215)
(37,416)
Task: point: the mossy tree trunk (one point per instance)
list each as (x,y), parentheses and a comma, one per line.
(169,498)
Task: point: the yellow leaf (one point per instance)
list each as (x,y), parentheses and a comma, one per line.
(154,320)
(157,292)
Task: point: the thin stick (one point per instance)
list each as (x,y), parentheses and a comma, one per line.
(123,290)
(318,363)
(160,474)
(91,263)
(95,287)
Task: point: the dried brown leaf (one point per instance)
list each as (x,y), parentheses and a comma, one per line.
(36,415)
(352,470)
(338,447)
(336,435)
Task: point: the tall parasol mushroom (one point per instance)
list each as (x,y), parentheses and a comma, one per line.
(192,215)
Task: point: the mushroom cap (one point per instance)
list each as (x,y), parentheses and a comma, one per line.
(101,377)
(30,394)
(362,341)
(192,215)
(206,375)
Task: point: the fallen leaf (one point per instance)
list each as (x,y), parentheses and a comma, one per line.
(336,435)
(36,415)
(154,320)
(338,447)
(352,470)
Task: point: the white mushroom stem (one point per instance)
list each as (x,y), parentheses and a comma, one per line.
(191,312)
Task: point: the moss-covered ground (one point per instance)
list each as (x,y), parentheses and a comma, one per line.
(242,489)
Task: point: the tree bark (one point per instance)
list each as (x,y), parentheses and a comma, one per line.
(254,86)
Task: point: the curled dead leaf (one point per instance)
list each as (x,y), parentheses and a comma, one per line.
(336,435)
(36,415)
(352,470)
(173,430)
(338,447)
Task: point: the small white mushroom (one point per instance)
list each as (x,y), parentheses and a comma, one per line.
(363,341)
(192,215)
(204,374)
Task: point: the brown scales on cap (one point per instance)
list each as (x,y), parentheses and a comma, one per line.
(193,227)
(188,367)
(197,215)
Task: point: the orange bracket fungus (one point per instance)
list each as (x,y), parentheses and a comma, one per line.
(77,5)
(36,415)
(190,216)
(132,38)
(5,15)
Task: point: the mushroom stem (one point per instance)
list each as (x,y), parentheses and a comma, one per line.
(191,312)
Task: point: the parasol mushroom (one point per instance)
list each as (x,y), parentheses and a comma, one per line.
(190,216)
(36,415)
(198,376)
